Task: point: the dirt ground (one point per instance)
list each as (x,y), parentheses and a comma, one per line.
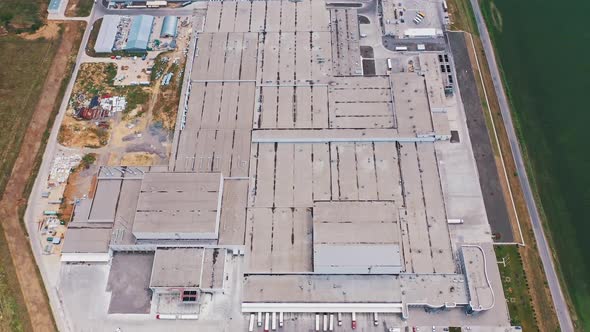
(166,98)
(545,316)
(48,31)
(93,79)
(71,8)
(78,8)
(18,243)
(80,183)
(76,133)
(138,159)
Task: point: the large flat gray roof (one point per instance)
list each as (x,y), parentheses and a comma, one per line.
(357,259)
(178,205)
(321,288)
(356,237)
(177,267)
(188,267)
(87,240)
(105,200)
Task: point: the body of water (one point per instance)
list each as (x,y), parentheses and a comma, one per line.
(543,47)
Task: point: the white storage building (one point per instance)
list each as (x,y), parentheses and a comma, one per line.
(423,33)
(107,34)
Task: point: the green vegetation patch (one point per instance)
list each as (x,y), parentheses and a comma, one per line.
(13,312)
(550,115)
(159,66)
(136,96)
(84,8)
(93,36)
(20,15)
(95,79)
(25,64)
(462,16)
(516,288)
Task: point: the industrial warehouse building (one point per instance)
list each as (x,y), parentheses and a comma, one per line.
(169,27)
(140,32)
(325,191)
(107,34)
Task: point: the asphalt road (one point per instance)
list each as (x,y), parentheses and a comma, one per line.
(489,180)
(563,315)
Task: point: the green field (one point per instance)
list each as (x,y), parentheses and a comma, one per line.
(543,60)
(21,15)
(23,71)
(13,312)
(515,287)
(25,66)
(84,8)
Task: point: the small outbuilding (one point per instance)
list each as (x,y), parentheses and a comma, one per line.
(169,27)
(422,33)
(54,6)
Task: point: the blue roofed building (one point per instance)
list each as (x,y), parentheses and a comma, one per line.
(54,6)
(169,26)
(139,33)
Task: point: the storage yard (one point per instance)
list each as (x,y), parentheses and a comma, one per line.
(127,104)
(139,34)
(296,191)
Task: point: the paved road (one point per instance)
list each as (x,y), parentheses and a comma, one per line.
(34,207)
(563,315)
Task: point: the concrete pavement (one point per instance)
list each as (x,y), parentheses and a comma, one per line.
(559,302)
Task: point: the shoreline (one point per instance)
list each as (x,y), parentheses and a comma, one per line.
(545,250)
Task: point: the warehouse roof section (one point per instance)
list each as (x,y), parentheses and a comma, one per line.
(356,237)
(350,223)
(357,259)
(139,34)
(82,210)
(434,290)
(188,267)
(178,206)
(177,267)
(475,265)
(107,34)
(105,201)
(87,240)
(322,288)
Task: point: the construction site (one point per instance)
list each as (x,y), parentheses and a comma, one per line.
(301,191)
